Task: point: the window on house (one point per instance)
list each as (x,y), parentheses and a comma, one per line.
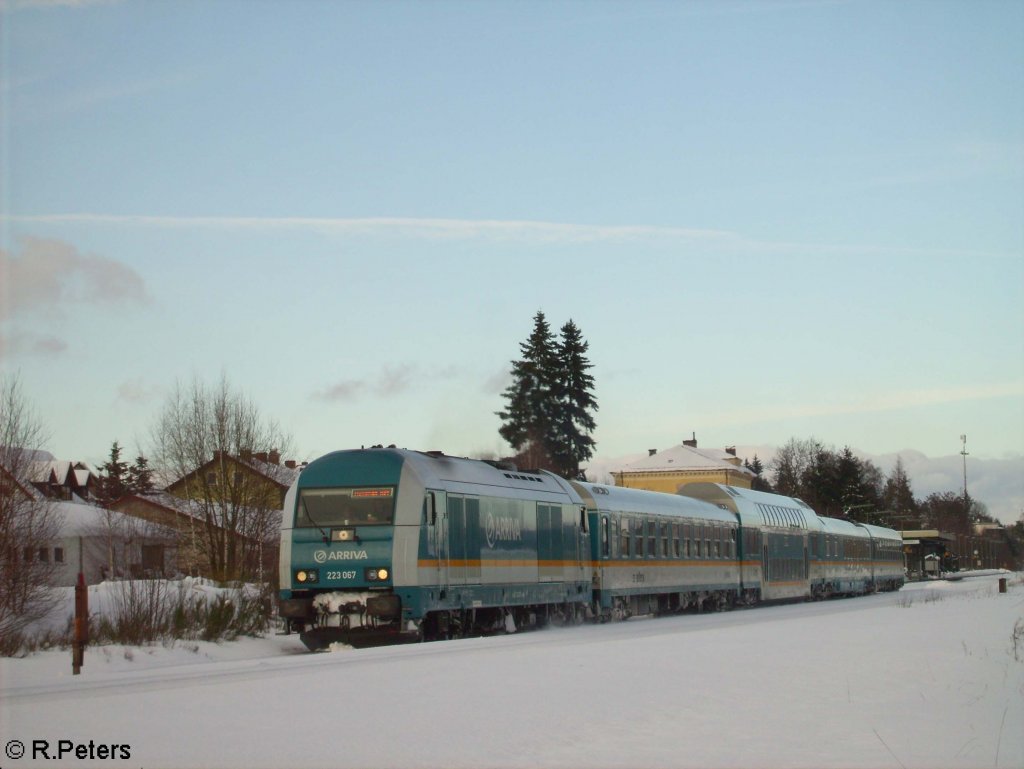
(58,555)
(153,558)
(44,555)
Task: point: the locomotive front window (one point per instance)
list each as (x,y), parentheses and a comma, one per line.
(345,507)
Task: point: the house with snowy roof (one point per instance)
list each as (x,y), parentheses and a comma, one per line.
(248,488)
(686,463)
(62,479)
(105,544)
(262,476)
(98,542)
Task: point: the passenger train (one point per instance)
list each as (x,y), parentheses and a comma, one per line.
(390,545)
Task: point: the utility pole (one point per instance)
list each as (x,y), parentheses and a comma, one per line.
(963,453)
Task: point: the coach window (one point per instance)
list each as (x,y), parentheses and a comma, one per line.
(652,539)
(605,543)
(675,539)
(664,540)
(625,538)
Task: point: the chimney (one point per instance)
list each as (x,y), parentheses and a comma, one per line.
(692,443)
(651,452)
(246,455)
(730,450)
(275,457)
(290,464)
(261,456)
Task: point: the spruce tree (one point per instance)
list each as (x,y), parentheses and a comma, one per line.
(574,403)
(759,483)
(528,417)
(140,477)
(113,481)
(897,496)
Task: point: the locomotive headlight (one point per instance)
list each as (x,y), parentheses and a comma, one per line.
(306,575)
(374,574)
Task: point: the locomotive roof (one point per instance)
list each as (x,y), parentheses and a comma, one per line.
(617,499)
(440,470)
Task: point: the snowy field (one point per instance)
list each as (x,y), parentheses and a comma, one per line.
(929,677)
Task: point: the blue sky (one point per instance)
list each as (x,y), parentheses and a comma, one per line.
(769,219)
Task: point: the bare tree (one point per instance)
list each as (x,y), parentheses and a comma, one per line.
(29,521)
(236,513)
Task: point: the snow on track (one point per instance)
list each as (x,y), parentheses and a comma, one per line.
(921,678)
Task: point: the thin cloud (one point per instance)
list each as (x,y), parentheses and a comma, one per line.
(453,229)
(344,391)
(390,382)
(490,230)
(497,382)
(22,5)
(394,380)
(137,391)
(50,273)
(31,344)
(875,403)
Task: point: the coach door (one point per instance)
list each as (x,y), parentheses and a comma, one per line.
(437,537)
(456,541)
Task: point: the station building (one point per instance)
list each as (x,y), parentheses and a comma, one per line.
(667,470)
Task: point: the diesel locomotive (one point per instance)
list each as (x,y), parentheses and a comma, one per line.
(391,545)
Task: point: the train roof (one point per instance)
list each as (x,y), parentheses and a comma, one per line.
(755,507)
(881,532)
(844,528)
(618,499)
(439,470)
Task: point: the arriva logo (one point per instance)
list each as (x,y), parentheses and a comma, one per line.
(502,529)
(339,555)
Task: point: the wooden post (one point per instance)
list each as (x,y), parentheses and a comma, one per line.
(81,625)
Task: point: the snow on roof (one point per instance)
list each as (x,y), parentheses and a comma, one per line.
(82,520)
(688,458)
(189,507)
(60,470)
(281,474)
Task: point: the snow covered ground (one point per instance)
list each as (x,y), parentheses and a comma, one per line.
(928,677)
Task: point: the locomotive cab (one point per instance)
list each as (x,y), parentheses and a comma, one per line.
(337,574)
